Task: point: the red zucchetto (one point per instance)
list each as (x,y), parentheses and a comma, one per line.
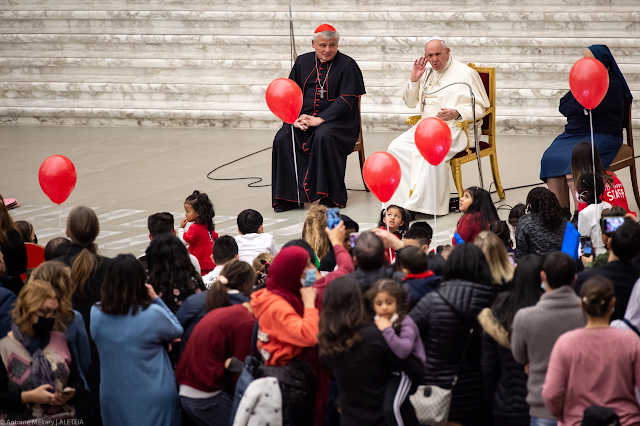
(324,27)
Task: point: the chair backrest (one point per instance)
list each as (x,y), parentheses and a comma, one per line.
(626,123)
(35,255)
(488,77)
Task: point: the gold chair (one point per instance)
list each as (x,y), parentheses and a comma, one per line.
(626,155)
(488,76)
(359,148)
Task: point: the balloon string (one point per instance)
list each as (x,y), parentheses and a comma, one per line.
(435,209)
(593,162)
(295,163)
(386,222)
(60,219)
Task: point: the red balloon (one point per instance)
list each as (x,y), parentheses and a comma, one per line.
(57,178)
(284,99)
(589,82)
(382,175)
(433,139)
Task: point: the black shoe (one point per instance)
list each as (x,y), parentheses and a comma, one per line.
(285,206)
(326,201)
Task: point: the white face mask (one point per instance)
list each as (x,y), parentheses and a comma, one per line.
(528,209)
(543,286)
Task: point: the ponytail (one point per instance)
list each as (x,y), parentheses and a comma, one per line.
(81,270)
(217,296)
(83,228)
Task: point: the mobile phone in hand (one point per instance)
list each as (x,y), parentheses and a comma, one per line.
(333,217)
(587,246)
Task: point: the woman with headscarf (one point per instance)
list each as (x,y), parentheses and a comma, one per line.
(288,319)
(555,167)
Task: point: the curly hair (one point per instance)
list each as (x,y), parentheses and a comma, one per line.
(396,291)
(171,272)
(30,300)
(203,206)
(58,275)
(313,230)
(343,314)
(544,203)
(406,218)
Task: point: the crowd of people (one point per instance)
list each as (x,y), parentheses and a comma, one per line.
(337,327)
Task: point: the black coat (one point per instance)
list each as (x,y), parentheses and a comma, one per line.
(366,278)
(444,318)
(505,381)
(15,257)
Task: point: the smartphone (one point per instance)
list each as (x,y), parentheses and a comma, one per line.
(612,223)
(68,392)
(587,246)
(333,217)
(353,237)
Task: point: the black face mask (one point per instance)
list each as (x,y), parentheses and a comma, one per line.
(43,326)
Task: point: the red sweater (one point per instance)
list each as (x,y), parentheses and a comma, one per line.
(201,245)
(223,333)
(468,228)
(615,196)
(345,266)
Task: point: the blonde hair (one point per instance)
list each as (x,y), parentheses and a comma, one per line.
(496,254)
(257,262)
(31,298)
(313,230)
(57,274)
(83,228)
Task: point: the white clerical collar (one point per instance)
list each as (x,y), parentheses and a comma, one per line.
(446,67)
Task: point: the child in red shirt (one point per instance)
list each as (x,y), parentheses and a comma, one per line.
(201,234)
(479,212)
(396,220)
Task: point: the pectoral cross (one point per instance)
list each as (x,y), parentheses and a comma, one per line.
(322,93)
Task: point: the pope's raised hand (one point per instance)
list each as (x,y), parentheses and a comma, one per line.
(418,68)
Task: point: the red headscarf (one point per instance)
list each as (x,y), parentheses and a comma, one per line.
(284,274)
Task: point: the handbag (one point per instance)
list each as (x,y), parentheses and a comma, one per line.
(432,403)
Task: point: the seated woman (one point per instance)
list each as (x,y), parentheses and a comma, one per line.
(555,167)
(594,365)
(38,377)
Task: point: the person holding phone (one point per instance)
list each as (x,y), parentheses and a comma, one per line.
(609,222)
(38,375)
(624,246)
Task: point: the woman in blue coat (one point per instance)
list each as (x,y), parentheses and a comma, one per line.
(131,326)
(555,167)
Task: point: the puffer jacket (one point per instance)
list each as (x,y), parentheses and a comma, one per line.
(505,381)
(444,318)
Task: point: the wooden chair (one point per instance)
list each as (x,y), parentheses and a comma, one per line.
(35,256)
(488,76)
(626,156)
(359,148)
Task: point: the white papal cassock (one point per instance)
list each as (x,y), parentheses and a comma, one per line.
(417,190)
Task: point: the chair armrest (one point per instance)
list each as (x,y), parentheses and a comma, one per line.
(413,120)
(465,123)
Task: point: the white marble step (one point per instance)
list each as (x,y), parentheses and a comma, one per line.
(268,70)
(205,4)
(385,95)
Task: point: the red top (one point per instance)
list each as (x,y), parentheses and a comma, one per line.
(201,245)
(393,252)
(468,228)
(223,333)
(614,196)
(426,274)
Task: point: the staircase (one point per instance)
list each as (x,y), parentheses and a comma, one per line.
(208,62)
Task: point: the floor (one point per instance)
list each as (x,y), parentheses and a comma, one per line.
(128,173)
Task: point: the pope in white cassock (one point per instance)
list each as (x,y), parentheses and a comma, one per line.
(453,104)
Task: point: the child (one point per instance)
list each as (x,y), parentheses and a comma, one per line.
(479,212)
(419,237)
(515,214)
(582,162)
(419,280)
(252,241)
(589,217)
(313,232)
(397,218)
(501,229)
(201,234)
(388,300)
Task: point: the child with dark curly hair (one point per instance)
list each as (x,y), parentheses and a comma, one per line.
(201,234)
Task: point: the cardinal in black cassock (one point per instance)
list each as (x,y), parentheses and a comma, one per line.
(331,90)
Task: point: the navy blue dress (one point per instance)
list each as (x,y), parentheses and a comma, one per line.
(607,131)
